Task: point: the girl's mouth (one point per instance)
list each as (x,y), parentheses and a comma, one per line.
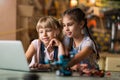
(45,39)
(69,33)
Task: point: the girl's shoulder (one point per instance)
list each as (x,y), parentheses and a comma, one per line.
(86,42)
(36,43)
(87,39)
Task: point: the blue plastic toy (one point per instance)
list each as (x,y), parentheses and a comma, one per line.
(62,64)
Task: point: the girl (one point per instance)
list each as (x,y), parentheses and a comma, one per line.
(48,46)
(78,40)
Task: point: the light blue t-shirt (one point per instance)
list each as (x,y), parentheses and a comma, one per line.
(86,42)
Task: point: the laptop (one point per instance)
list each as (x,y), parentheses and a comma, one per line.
(12,56)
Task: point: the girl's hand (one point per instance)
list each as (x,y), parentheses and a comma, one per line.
(52,43)
(55,42)
(35,65)
(83,66)
(75,67)
(40,66)
(43,66)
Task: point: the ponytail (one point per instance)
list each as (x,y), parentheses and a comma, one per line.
(89,34)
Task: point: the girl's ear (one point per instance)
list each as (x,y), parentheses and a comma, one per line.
(82,23)
(57,32)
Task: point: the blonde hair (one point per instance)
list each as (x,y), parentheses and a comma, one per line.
(50,22)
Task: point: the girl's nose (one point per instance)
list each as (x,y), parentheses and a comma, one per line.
(45,33)
(67,29)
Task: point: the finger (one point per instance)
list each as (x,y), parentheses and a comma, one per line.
(39,65)
(50,44)
(54,42)
(35,65)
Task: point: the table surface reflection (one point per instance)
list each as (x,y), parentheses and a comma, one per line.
(19,75)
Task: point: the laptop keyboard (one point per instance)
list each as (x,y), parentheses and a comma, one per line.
(40,70)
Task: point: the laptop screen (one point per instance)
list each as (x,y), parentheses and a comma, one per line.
(12,55)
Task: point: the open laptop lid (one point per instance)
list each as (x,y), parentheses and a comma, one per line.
(12,55)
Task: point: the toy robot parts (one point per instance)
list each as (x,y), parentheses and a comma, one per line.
(63,72)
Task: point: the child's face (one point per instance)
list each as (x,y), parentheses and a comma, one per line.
(46,34)
(70,27)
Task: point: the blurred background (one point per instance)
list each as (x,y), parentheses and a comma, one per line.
(18,19)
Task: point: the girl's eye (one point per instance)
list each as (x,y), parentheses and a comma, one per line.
(41,32)
(63,25)
(49,30)
(70,24)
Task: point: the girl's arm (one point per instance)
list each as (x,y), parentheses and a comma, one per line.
(56,42)
(30,52)
(80,56)
(61,50)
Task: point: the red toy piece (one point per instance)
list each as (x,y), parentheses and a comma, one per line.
(84,70)
(108,74)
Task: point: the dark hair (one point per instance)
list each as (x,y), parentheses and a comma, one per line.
(78,15)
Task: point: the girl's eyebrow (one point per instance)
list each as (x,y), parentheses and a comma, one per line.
(46,28)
